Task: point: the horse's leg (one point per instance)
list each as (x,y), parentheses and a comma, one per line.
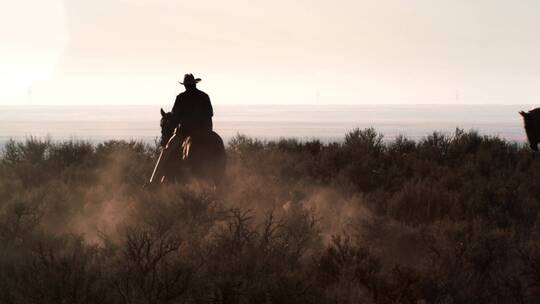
(157,173)
(165,158)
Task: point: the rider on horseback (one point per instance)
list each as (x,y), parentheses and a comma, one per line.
(192,112)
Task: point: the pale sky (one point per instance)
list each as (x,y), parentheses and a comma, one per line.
(83,52)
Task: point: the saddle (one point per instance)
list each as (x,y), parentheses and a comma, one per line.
(187,139)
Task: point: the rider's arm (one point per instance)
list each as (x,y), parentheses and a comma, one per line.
(177,108)
(208,106)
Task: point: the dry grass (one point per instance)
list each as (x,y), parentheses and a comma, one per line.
(448,219)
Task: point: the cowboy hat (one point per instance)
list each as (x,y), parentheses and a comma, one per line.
(189,79)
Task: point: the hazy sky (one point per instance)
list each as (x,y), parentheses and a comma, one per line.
(280,52)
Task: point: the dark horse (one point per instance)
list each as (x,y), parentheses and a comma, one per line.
(201,155)
(531,122)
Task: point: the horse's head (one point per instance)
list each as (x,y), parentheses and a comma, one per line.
(168,124)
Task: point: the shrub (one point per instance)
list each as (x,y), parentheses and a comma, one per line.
(451,218)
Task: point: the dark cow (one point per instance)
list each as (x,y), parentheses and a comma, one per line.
(531,120)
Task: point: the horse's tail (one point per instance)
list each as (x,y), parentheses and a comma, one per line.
(220,156)
(208,157)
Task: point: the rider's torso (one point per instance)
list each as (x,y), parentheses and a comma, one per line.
(193,110)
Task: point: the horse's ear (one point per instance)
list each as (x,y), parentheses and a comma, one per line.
(162,112)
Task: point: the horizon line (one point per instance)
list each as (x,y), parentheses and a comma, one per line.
(275,104)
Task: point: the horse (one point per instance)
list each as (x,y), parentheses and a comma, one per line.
(200,155)
(531,122)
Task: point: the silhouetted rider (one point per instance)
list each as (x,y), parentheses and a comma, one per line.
(193,112)
(192,108)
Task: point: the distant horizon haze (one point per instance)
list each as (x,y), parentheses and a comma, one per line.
(167,104)
(265,122)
